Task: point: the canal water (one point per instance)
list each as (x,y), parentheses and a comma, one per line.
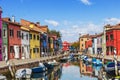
(65,71)
(75,70)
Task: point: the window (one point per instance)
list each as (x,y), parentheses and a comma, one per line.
(82,45)
(4,33)
(11,49)
(111,36)
(37,37)
(22,35)
(30,36)
(34,50)
(19,49)
(0,33)
(34,36)
(37,50)
(81,39)
(4,49)
(18,34)
(26,36)
(107,49)
(11,33)
(22,49)
(106,37)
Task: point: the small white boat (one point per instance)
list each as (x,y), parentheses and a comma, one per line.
(23,73)
(2,77)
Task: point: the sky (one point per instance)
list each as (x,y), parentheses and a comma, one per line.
(70,17)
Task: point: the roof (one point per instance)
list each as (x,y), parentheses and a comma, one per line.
(115,27)
(8,20)
(87,36)
(31,25)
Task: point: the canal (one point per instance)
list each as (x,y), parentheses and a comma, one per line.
(74,70)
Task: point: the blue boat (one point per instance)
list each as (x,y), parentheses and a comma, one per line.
(48,66)
(110,66)
(40,68)
(39,75)
(96,62)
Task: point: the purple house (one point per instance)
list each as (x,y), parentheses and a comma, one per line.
(0,34)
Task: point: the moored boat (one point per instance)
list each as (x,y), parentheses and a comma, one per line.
(23,73)
(2,77)
(40,68)
(110,66)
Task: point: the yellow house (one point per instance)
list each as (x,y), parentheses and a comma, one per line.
(82,41)
(34,36)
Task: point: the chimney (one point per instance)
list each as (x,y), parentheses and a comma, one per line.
(13,18)
(0,10)
(38,23)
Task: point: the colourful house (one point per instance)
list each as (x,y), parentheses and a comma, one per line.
(5,40)
(99,43)
(88,46)
(14,38)
(34,38)
(1,34)
(113,40)
(44,46)
(65,45)
(94,44)
(82,41)
(25,42)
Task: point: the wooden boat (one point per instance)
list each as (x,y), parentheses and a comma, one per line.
(40,68)
(23,73)
(2,77)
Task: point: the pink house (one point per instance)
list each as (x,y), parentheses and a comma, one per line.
(0,34)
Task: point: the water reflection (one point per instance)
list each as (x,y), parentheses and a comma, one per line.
(75,70)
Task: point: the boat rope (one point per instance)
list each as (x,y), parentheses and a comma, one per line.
(9,66)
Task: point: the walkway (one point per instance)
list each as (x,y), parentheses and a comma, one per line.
(25,61)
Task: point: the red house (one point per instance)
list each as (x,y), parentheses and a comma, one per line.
(88,44)
(113,40)
(65,46)
(14,39)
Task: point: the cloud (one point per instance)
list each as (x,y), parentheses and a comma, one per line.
(112,21)
(86,2)
(71,33)
(52,22)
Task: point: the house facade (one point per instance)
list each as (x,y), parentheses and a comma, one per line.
(14,39)
(88,46)
(5,40)
(113,40)
(1,34)
(99,43)
(94,45)
(34,37)
(82,41)
(25,42)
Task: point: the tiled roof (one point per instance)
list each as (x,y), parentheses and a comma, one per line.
(115,27)
(8,20)
(28,23)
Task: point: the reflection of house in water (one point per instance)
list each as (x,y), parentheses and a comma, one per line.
(85,70)
(92,71)
(97,72)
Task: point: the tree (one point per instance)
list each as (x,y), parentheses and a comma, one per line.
(75,45)
(55,32)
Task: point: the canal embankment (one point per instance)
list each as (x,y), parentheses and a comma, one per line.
(26,63)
